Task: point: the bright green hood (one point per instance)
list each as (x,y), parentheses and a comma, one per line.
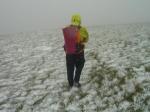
(76,20)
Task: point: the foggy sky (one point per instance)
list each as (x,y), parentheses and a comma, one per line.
(26,15)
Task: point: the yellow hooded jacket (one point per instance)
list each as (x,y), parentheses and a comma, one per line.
(83,34)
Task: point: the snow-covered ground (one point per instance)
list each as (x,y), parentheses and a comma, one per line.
(116,76)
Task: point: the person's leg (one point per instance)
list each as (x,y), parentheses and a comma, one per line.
(79,66)
(70,69)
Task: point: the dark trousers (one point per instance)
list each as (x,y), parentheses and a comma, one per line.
(75,64)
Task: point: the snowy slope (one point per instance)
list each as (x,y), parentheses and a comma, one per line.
(116,76)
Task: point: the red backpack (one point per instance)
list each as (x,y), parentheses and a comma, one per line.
(71,38)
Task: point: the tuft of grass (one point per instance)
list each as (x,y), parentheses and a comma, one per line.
(147,68)
(111,72)
(97,78)
(82,108)
(98,74)
(130,72)
(19,108)
(71,99)
(146,100)
(94,55)
(139,110)
(82,95)
(129,97)
(138,88)
(122,81)
(40,100)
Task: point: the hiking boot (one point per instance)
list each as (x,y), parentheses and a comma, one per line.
(77,84)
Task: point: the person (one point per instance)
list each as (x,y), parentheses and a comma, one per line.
(75,37)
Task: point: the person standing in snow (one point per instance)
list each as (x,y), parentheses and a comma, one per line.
(75,37)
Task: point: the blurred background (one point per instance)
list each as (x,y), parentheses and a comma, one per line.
(27,15)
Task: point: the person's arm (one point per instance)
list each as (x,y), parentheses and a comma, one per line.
(84,35)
